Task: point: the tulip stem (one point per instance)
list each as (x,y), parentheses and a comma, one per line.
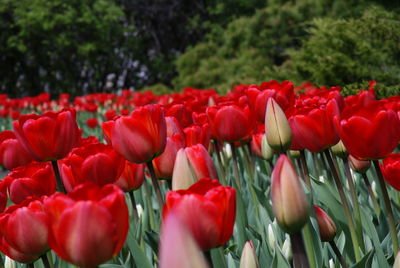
(134,208)
(345,204)
(155,185)
(388,206)
(207,254)
(299,252)
(221,167)
(305,168)
(236,166)
(45,261)
(60,184)
(31,265)
(338,254)
(356,206)
(371,194)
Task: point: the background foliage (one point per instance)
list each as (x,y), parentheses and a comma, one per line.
(83,46)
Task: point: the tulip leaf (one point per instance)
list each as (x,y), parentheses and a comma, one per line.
(152,239)
(366,261)
(218,257)
(137,252)
(279,260)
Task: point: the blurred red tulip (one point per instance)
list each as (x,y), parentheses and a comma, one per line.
(49,136)
(110,114)
(196,134)
(214,207)
(132,177)
(369,132)
(141,136)
(15,254)
(3,195)
(96,162)
(12,154)
(390,167)
(34,179)
(173,126)
(89,225)
(25,227)
(164,163)
(92,122)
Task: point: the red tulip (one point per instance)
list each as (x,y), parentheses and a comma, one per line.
(12,153)
(256,143)
(89,225)
(92,122)
(326,226)
(207,209)
(49,136)
(196,134)
(312,125)
(97,162)
(34,179)
(369,132)
(164,163)
(110,114)
(172,126)
(141,136)
(132,177)
(391,170)
(231,123)
(15,254)
(3,195)
(25,227)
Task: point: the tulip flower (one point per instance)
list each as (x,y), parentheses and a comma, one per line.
(255,144)
(360,166)
(35,179)
(3,195)
(131,178)
(192,164)
(14,254)
(339,150)
(231,123)
(89,225)
(277,129)
(326,226)
(164,163)
(96,162)
(92,122)
(50,136)
(369,132)
(12,154)
(141,136)
(289,202)
(172,126)
(248,258)
(25,227)
(184,253)
(196,134)
(390,168)
(214,207)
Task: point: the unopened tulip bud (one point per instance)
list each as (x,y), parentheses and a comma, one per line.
(327,228)
(184,253)
(266,150)
(331,263)
(271,237)
(277,128)
(9,263)
(287,249)
(294,153)
(248,258)
(339,150)
(183,176)
(289,202)
(359,166)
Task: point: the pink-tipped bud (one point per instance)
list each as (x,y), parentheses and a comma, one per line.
(277,128)
(359,166)
(289,202)
(248,258)
(327,228)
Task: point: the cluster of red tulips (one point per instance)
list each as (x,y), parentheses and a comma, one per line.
(202,153)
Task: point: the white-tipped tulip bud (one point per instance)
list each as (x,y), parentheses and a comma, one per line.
(289,202)
(177,247)
(277,128)
(331,263)
(266,150)
(397,261)
(287,249)
(271,237)
(183,176)
(249,258)
(339,150)
(9,263)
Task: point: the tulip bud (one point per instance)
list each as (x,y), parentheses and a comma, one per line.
(248,258)
(339,150)
(266,150)
(9,263)
(289,202)
(397,261)
(287,249)
(359,166)
(327,228)
(185,253)
(294,153)
(183,176)
(277,129)
(271,237)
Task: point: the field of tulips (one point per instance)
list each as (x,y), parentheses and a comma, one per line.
(269,175)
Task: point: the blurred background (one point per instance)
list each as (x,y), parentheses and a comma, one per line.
(85,46)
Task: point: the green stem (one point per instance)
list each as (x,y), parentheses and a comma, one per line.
(236,166)
(338,254)
(155,185)
(219,158)
(309,245)
(60,184)
(371,194)
(356,206)
(305,168)
(345,204)
(134,208)
(149,205)
(388,206)
(299,254)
